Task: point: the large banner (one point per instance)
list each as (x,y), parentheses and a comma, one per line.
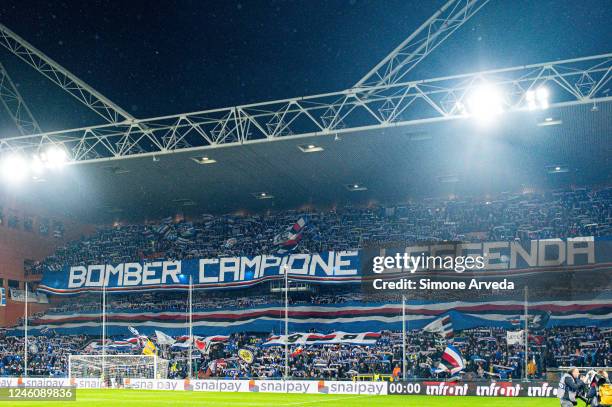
(448,260)
(225,272)
(352,316)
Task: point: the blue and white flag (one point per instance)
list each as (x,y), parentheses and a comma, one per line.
(288,240)
(441,326)
(451,361)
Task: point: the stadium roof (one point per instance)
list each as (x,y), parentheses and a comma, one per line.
(541,149)
(522,150)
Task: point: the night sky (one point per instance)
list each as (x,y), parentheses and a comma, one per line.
(164,57)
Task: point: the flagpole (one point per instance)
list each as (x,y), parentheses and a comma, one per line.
(526,378)
(403,337)
(286,323)
(25,334)
(104,328)
(190,324)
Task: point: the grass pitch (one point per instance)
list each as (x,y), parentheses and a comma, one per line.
(151,398)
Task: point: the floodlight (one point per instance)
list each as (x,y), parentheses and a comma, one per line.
(485,103)
(537,98)
(37,166)
(530,97)
(56,157)
(14,168)
(542,97)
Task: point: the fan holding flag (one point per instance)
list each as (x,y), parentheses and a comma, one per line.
(451,361)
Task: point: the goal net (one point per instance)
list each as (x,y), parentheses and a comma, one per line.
(117,366)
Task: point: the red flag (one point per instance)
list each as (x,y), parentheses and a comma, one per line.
(297,352)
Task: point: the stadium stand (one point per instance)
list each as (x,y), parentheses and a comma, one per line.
(579,212)
(484,349)
(557,214)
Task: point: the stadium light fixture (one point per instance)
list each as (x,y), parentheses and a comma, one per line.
(355,187)
(204,160)
(538,99)
(54,158)
(14,168)
(557,169)
(263,195)
(485,103)
(310,148)
(549,121)
(37,166)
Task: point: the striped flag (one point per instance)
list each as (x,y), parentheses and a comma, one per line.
(441,326)
(451,361)
(183,341)
(289,239)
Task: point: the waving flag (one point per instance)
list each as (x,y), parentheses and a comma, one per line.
(289,239)
(537,321)
(441,326)
(204,344)
(149,348)
(164,339)
(451,361)
(231,242)
(182,342)
(297,352)
(540,320)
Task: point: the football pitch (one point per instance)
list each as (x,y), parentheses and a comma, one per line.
(151,398)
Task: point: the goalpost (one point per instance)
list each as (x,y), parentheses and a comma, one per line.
(123,366)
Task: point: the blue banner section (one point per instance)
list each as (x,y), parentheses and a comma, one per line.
(352,316)
(224,272)
(351,266)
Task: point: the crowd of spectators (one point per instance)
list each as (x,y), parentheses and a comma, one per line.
(485,350)
(47,355)
(578,212)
